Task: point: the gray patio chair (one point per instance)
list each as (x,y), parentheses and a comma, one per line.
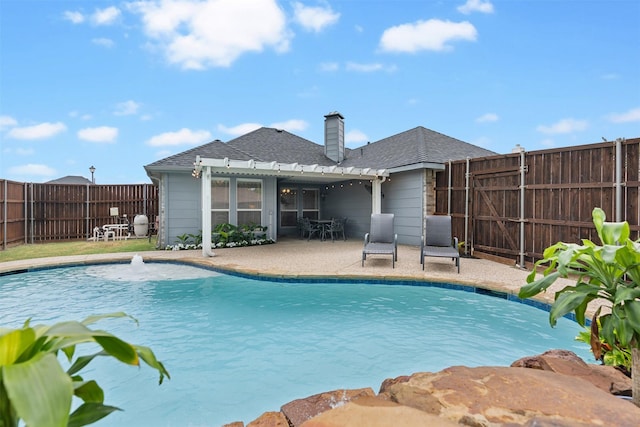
(438,241)
(336,228)
(381,240)
(310,229)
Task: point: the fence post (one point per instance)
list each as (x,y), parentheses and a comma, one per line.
(523,169)
(5,219)
(618,183)
(466,210)
(32,219)
(449,191)
(25,195)
(87,220)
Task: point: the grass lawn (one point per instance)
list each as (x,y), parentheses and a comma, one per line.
(43,250)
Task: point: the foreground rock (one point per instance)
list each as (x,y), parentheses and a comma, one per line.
(561,391)
(499,396)
(566,362)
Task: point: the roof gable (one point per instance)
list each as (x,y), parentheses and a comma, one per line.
(414,146)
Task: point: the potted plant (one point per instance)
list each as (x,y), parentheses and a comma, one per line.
(608,274)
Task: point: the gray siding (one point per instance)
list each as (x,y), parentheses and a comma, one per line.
(182,206)
(403,196)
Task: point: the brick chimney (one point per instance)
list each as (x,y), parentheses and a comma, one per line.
(334,136)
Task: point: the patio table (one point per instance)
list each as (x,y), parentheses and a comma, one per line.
(324,226)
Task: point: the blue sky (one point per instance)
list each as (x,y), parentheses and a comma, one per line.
(121,84)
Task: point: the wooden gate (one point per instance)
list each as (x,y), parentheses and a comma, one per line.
(495,207)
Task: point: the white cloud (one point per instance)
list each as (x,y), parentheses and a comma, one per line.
(314,19)
(127,108)
(106,16)
(433,34)
(329,67)
(632,115)
(7,122)
(99,134)
(610,76)
(73,17)
(201,34)
(369,68)
(40,131)
(76,114)
(564,126)
(104,42)
(488,117)
(293,125)
(240,129)
(476,6)
(182,137)
(24,151)
(32,169)
(355,137)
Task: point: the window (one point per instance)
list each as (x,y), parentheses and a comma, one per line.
(310,203)
(219,201)
(288,207)
(249,201)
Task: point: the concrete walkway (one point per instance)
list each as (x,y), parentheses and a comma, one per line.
(294,258)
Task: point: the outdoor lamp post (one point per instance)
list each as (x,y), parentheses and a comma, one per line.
(92,169)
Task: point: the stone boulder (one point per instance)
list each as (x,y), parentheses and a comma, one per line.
(509,396)
(270,419)
(301,410)
(374,412)
(566,362)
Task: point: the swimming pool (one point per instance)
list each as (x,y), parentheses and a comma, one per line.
(237,347)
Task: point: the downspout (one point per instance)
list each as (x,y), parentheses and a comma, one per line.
(466,210)
(206,212)
(618,184)
(523,169)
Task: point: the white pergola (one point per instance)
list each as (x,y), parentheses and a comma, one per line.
(206,167)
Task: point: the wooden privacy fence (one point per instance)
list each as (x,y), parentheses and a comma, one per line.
(515,205)
(33,213)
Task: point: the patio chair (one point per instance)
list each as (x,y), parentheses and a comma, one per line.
(310,229)
(381,240)
(336,228)
(438,241)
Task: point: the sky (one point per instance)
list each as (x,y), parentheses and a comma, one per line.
(121,84)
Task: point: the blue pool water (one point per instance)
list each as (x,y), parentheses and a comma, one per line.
(237,347)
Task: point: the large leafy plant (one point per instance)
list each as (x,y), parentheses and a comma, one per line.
(34,387)
(608,274)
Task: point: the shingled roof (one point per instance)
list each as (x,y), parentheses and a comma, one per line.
(412,147)
(415,146)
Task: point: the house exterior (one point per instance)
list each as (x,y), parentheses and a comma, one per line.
(272,177)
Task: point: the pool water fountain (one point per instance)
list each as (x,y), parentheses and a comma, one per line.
(137,260)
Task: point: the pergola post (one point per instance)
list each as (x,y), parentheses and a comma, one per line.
(206,212)
(376,195)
